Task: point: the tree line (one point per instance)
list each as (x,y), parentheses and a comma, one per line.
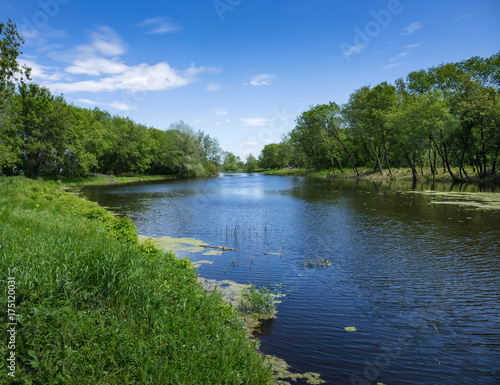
(43,135)
(443,119)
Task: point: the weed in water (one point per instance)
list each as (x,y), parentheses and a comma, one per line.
(255,300)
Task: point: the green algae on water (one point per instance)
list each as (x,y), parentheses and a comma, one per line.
(472,200)
(282,374)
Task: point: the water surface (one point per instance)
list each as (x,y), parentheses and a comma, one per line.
(416,273)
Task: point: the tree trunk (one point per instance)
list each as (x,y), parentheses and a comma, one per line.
(444,157)
(430,163)
(340,166)
(494,164)
(413,168)
(346,150)
(377,157)
(387,160)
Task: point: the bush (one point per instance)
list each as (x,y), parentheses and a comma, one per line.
(255,300)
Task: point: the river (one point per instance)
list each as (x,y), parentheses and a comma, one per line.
(414,274)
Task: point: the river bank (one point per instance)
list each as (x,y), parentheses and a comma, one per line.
(397,174)
(91,301)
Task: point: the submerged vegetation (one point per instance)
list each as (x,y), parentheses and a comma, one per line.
(95,304)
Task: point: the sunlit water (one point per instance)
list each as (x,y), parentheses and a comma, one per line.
(418,280)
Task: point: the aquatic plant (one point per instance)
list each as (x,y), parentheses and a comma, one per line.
(256,300)
(317,262)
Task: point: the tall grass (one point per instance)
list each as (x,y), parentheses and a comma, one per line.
(257,300)
(96,307)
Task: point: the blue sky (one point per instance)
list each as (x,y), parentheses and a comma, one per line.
(239,70)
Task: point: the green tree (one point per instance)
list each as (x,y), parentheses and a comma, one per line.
(328,118)
(189,154)
(11,73)
(251,163)
(269,156)
(416,121)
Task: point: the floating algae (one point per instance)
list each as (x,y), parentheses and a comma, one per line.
(185,245)
(484,200)
(199,263)
(281,373)
(230,290)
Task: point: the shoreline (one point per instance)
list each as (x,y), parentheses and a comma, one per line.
(399,174)
(76,260)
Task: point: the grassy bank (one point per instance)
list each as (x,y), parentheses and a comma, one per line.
(101,179)
(397,174)
(94,306)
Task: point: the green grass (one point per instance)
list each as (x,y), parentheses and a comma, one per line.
(257,301)
(94,306)
(100,179)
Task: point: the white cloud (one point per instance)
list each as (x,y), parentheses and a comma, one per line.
(255,122)
(402,54)
(412,28)
(106,42)
(101,64)
(96,66)
(139,78)
(159,25)
(411,46)
(193,71)
(393,65)
(262,80)
(214,87)
(220,111)
(354,50)
(122,106)
(43,73)
(462,17)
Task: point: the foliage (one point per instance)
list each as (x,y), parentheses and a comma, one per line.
(92,308)
(251,163)
(10,41)
(42,135)
(256,300)
(444,116)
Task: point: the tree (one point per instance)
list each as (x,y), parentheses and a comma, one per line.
(480,119)
(366,114)
(250,164)
(269,156)
(415,120)
(11,73)
(189,154)
(328,118)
